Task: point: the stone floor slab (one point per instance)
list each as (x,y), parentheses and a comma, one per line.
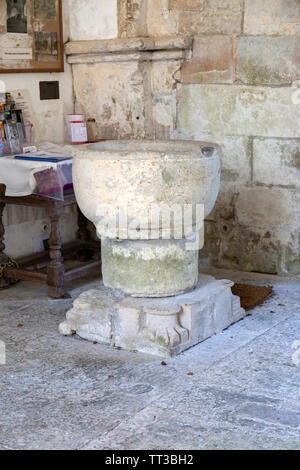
(67,393)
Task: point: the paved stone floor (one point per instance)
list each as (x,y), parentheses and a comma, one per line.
(66,393)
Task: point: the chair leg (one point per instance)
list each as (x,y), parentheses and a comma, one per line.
(55,270)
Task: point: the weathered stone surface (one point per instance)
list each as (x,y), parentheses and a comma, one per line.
(52,387)
(291,253)
(157,268)
(235,159)
(161,17)
(97,20)
(230,115)
(218,17)
(212,61)
(272,17)
(136,18)
(163,105)
(218,226)
(127,87)
(237,110)
(247,230)
(247,248)
(144,264)
(186,4)
(191,22)
(193,17)
(223,6)
(162,76)
(160,20)
(163,116)
(276,162)
(224,208)
(209,255)
(139,174)
(145,198)
(267,207)
(122,18)
(235,155)
(163,327)
(112,94)
(268,60)
(230,244)
(128,45)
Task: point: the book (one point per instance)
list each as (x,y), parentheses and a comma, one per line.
(40,159)
(43,157)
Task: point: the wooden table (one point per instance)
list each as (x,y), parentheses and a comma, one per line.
(55,276)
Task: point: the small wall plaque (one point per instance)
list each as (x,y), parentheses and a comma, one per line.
(49,90)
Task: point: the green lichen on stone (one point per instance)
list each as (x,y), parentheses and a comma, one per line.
(156,275)
(252,73)
(161,341)
(292,256)
(247,250)
(167,177)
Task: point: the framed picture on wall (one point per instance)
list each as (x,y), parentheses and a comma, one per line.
(31,36)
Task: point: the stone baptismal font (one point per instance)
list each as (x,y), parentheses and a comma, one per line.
(148,201)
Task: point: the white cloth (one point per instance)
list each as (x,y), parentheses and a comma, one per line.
(18,175)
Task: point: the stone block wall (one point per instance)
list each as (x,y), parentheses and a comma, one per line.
(238,85)
(239,88)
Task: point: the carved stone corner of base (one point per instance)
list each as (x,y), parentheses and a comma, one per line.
(65,329)
(163,327)
(237,311)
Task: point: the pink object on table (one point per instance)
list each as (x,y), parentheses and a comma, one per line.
(52,182)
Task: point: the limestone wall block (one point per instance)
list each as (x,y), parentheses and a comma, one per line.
(267,207)
(291,253)
(112,94)
(249,248)
(186,5)
(276,162)
(272,17)
(163,79)
(211,62)
(160,20)
(235,155)
(237,110)
(265,60)
(217,17)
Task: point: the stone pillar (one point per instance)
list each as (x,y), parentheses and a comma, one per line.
(127,87)
(149,268)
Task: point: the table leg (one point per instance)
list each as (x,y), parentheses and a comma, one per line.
(55,270)
(3,258)
(4,282)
